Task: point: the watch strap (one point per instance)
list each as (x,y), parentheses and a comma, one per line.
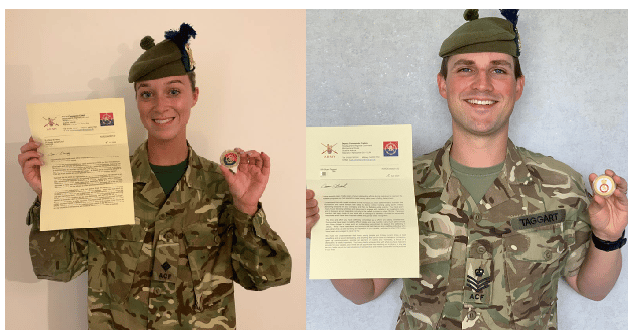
(607,246)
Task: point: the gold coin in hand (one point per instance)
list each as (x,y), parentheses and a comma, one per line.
(604,185)
(230,158)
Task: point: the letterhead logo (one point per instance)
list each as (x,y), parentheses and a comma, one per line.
(390,148)
(50,123)
(329,151)
(106,119)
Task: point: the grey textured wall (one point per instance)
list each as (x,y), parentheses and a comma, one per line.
(379,67)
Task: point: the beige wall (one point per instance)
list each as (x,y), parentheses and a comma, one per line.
(250,67)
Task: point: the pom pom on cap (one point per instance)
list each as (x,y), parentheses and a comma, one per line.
(147,43)
(471,14)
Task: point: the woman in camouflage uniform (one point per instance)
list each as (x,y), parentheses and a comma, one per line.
(199,227)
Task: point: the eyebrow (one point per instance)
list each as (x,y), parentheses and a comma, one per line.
(501,62)
(470,62)
(170,82)
(463,62)
(175,81)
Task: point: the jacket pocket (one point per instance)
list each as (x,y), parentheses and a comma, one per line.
(121,251)
(211,273)
(424,298)
(534,262)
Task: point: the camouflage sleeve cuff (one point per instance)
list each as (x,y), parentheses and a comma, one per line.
(244,222)
(33,216)
(260,258)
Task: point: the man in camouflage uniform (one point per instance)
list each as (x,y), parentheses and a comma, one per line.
(499,225)
(199,227)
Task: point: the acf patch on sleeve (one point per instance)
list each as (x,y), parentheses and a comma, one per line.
(539,219)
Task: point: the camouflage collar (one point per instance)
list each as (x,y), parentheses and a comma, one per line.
(514,172)
(142,173)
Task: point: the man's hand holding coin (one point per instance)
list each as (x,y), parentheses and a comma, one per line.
(608,208)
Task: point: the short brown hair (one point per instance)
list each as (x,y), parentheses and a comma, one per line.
(192,78)
(445,62)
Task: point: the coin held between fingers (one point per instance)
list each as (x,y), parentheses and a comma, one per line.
(604,185)
(230,158)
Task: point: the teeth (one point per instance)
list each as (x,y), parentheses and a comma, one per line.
(162,121)
(481,102)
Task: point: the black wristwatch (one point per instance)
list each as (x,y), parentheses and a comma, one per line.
(605,245)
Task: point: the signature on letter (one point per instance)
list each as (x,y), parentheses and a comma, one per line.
(336,185)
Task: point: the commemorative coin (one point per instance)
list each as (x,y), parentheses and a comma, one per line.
(230,158)
(604,185)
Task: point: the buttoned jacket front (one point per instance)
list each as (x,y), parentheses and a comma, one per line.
(175,267)
(496,263)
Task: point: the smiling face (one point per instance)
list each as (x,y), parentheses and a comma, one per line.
(481,91)
(164,106)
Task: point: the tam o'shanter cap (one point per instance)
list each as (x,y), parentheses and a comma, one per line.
(489,34)
(171,57)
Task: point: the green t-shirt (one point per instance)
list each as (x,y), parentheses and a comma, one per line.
(476,180)
(168,176)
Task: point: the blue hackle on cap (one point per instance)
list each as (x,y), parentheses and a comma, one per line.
(511,15)
(181,37)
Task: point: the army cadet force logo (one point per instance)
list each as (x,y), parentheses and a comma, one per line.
(106,119)
(390,148)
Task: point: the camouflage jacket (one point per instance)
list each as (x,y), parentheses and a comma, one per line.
(495,264)
(173,269)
